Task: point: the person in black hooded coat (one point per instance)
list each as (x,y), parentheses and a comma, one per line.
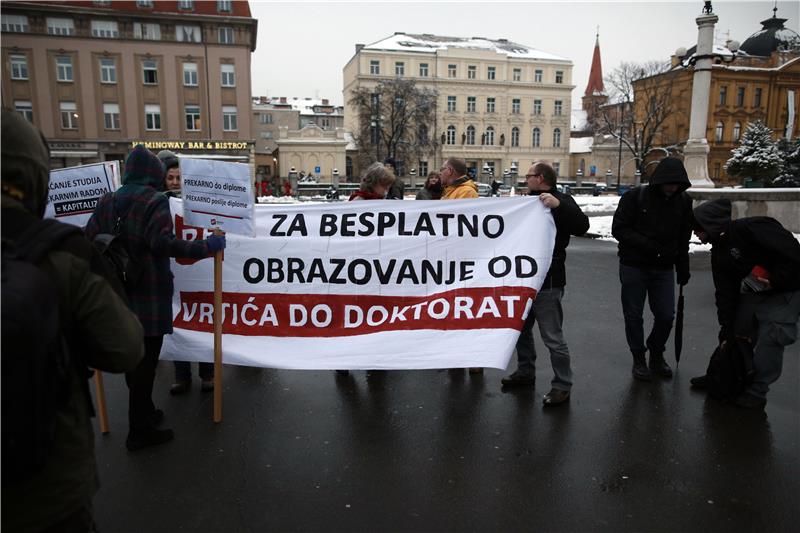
(653,224)
(766,307)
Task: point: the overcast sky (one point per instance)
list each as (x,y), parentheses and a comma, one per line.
(303,46)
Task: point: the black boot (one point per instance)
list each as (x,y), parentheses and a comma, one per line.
(640,370)
(658,366)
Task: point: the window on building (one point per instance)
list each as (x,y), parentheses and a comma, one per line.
(558,107)
(152,117)
(423,70)
(471,103)
(723,95)
(24,108)
(188,34)
(374,67)
(719,131)
(737,131)
(472,72)
(515,136)
(265,118)
(225,35)
(470,135)
(224,6)
(19,67)
(69,115)
(740,97)
(190,76)
(266,135)
(559,76)
(490,105)
(516,74)
(144,3)
(229,120)
(228,73)
(147,31)
(557,138)
(537,107)
(60,26)
(451,135)
(451,104)
(111,116)
(399,68)
(63,68)
(186,5)
(491,73)
(326,123)
(490,136)
(451,71)
(557,167)
(150,72)
(423,168)
(422,134)
(757,97)
(515,105)
(537,75)
(192,116)
(536,138)
(375,102)
(106,29)
(108,70)
(15,23)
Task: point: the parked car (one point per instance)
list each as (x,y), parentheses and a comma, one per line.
(484,189)
(560,187)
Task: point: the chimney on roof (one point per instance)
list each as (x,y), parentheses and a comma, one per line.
(359,47)
(283,99)
(502,40)
(324,101)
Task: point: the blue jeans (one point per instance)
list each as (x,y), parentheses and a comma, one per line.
(548,312)
(183,370)
(658,286)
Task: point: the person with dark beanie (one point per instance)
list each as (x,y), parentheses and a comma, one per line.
(653,224)
(147,231)
(398,188)
(755,263)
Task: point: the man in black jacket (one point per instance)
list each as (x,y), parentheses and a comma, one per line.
(755,263)
(569,220)
(653,224)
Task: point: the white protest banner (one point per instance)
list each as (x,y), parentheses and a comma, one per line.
(74,191)
(218,194)
(368,285)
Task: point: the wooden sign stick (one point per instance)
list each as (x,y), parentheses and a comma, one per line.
(100,393)
(218,332)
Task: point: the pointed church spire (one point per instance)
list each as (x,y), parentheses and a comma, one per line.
(595,85)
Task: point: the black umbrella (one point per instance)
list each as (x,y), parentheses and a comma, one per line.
(679,327)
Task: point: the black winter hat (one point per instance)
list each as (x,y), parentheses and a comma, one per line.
(390,161)
(713,217)
(670,170)
(169,159)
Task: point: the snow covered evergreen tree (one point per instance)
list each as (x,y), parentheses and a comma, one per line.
(790,173)
(757,156)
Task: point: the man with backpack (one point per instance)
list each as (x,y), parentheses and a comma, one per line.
(652,225)
(60,318)
(141,215)
(755,263)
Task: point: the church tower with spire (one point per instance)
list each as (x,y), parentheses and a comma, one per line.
(594,96)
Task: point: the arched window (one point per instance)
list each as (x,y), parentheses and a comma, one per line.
(720,130)
(557,138)
(489,136)
(737,131)
(451,134)
(537,138)
(470,134)
(514,136)
(422,134)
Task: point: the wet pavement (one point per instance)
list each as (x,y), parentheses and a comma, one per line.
(447,451)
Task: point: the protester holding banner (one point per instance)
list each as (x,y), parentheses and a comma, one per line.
(456,183)
(89,325)
(570,220)
(432,190)
(183,369)
(147,231)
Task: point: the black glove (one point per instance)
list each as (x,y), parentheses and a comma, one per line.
(682,274)
(215,243)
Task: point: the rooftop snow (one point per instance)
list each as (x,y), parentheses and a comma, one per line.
(581,145)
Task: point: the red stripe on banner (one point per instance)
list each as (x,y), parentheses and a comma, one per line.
(343,315)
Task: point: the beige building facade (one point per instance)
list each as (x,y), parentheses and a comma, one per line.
(312,151)
(97,77)
(501,105)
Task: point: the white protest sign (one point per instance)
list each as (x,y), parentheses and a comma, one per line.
(73,192)
(218,194)
(368,285)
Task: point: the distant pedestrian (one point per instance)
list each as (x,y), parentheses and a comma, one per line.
(432,190)
(755,264)
(653,224)
(147,232)
(398,188)
(183,369)
(570,220)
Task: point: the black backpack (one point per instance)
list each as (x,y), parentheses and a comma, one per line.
(114,250)
(35,358)
(730,369)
